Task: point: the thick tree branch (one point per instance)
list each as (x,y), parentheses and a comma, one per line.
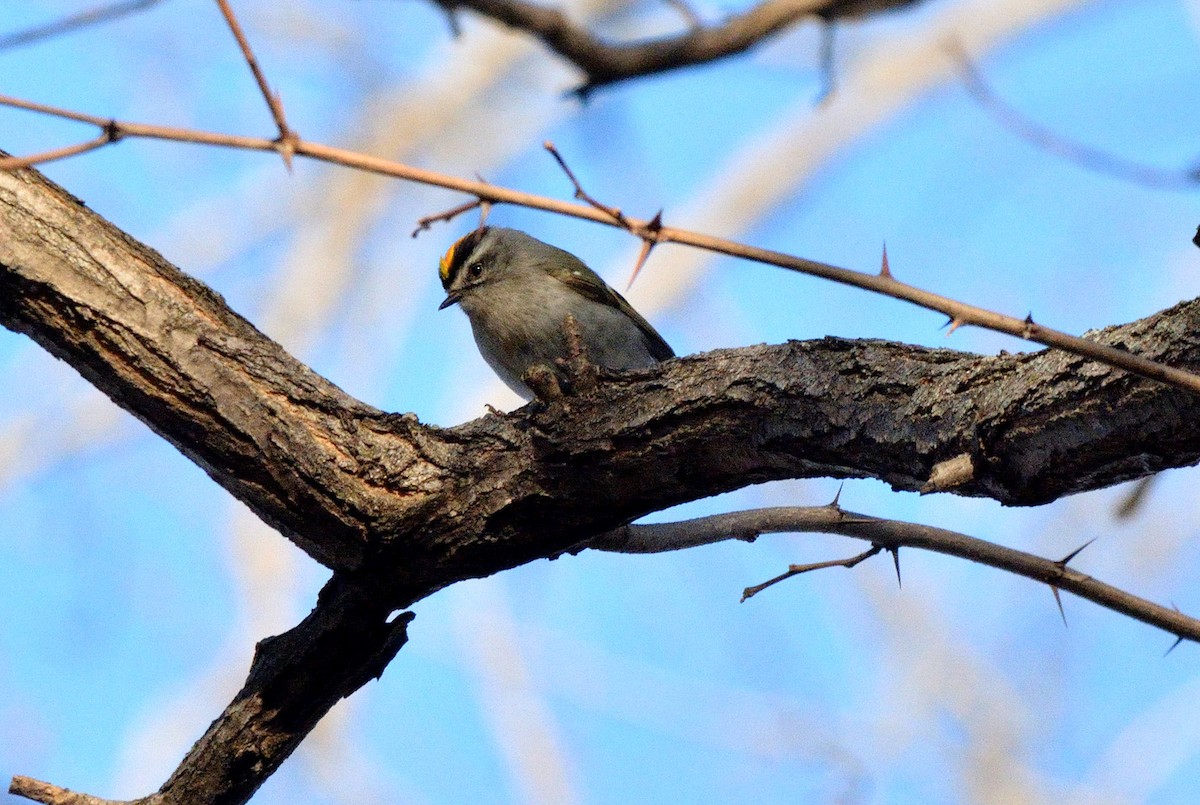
(346,481)
(607,63)
(346,641)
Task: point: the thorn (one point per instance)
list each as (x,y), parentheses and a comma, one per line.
(649,236)
(833,504)
(1028,325)
(647,245)
(1058,600)
(1063,562)
(954,325)
(884,270)
(1178,640)
(582,93)
(895,551)
(655,223)
(285,146)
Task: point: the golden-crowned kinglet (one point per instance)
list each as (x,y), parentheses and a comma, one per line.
(518,292)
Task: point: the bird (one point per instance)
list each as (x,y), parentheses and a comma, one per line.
(518,291)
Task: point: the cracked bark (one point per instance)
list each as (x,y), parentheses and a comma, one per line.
(399,509)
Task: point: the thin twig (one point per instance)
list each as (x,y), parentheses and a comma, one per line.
(74,22)
(287,137)
(55,111)
(50,794)
(649,232)
(613,212)
(424,223)
(494,194)
(41,158)
(796,570)
(1087,157)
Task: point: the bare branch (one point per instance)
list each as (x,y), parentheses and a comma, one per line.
(74,22)
(1088,158)
(400,509)
(346,641)
(614,213)
(424,223)
(336,475)
(16,163)
(604,63)
(890,535)
(287,137)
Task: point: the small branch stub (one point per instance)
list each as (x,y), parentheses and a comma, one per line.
(50,794)
(796,570)
(951,473)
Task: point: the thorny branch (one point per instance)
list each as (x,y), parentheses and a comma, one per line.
(649,233)
(888,535)
(959,313)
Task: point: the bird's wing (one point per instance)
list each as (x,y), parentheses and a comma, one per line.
(588,284)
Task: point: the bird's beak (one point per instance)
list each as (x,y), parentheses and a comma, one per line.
(452,298)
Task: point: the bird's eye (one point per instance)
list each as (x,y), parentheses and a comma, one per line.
(476,269)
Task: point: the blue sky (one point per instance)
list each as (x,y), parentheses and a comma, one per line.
(132,589)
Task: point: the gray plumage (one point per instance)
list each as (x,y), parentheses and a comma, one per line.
(517,292)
